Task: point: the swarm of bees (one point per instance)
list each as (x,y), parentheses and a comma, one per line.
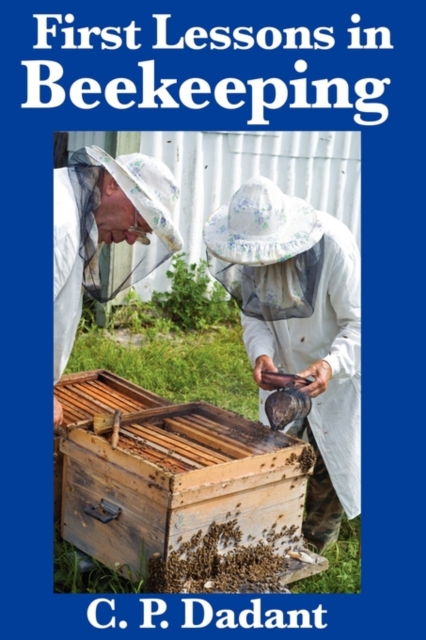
(218,562)
(307,458)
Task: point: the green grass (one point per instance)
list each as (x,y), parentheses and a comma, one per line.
(99,579)
(344,557)
(209,365)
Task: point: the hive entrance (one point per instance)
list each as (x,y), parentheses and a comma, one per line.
(216,562)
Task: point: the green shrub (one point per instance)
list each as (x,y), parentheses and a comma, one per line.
(194,302)
(136,315)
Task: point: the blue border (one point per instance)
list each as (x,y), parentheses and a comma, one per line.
(392,208)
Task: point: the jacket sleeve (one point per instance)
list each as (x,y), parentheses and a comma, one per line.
(66,235)
(344,294)
(64,258)
(257,337)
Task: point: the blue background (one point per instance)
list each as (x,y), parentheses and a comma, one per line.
(392,242)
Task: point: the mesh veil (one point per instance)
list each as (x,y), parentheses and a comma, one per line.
(279,291)
(100,280)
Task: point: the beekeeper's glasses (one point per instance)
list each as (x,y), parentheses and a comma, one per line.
(137,231)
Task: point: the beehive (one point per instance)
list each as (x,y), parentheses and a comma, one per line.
(175,471)
(85,394)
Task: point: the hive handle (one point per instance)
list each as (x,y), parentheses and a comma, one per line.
(104,507)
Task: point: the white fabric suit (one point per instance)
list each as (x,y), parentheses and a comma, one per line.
(332,333)
(68,270)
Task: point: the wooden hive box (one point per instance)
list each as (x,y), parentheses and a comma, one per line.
(175,471)
(85,394)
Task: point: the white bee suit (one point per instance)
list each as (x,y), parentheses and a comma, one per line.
(331,333)
(150,187)
(68,270)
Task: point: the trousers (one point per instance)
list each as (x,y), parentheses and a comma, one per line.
(323,511)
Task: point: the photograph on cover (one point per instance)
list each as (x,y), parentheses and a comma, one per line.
(207,361)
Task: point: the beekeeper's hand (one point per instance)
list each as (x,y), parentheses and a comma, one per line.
(263,363)
(321,371)
(58,414)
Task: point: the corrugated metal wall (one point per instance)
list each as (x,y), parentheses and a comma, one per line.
(323,167)
(79,139)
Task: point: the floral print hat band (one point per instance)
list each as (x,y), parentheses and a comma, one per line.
(261,226)
(150,186)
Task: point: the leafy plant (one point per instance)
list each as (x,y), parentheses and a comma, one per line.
(88,315)
(138,316)
(194,301)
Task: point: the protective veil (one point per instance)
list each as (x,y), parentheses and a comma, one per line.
(274,292)
(151,187)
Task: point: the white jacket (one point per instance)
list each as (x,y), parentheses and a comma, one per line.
(332,333)
(68,270)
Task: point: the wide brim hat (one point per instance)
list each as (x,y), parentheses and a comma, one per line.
(261,226)
(150,186)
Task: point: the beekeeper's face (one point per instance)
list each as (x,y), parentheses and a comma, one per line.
(116,217)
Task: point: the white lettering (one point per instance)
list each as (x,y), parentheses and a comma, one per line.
(269,34)
(119,86)
(241,34)
(207,613)
(355,42)
(318,623)
(193,34)
(342,94)
(85,34)
(189,87)
(162,43)
(258,98)
(130,32)
(217,36)
(81,87)
(228,86)
(82,38)
(149,93)
(42,30)
(371,36)
(226,619)
(92,612)
(300,87)
(321,35)
(115,40)
(149,612)
(251,618)
(34,84)
(276,619)
(378,90)
(44,90)
(294,623)
(305,38)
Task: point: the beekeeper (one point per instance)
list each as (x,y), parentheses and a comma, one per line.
(98,201)
(295,273)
